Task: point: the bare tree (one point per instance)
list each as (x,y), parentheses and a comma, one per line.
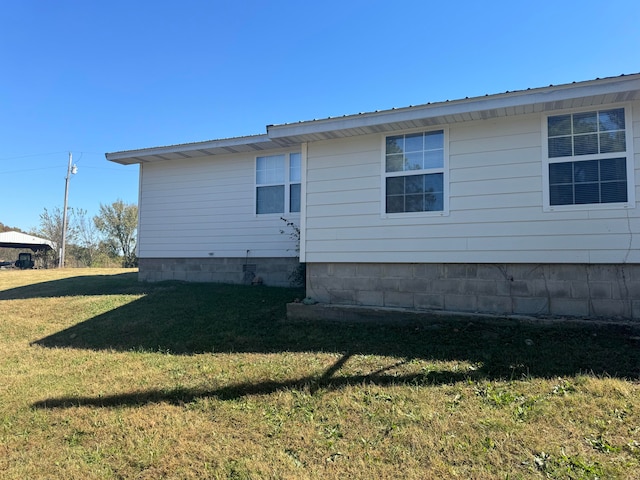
(88,239)
(51,228)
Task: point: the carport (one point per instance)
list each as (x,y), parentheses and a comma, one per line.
(24,241)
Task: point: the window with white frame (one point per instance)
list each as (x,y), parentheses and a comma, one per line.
(588,159)
(294,182)
(278,180)
(415,174)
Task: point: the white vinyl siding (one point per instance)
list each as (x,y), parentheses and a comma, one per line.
(495,205)
(205,207)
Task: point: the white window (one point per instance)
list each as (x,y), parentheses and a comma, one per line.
(294,182)
(588,160)
(278,183)
(415,173)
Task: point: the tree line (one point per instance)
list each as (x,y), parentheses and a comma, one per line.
(107,239)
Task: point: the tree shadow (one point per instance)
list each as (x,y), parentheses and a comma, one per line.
(187,319)
(309,384)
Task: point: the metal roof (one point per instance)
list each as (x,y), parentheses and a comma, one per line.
(23,240)
(623,88)
(578,94)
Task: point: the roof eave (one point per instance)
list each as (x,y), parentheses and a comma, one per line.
(618,89)
(254,143)
(581,94)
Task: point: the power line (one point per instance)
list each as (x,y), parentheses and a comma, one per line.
(32,155)
(29,170)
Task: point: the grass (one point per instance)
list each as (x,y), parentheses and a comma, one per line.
(107,378)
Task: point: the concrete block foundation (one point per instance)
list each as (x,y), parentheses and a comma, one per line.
(273,271)
(574,290)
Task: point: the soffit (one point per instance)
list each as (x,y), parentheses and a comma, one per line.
(250,144)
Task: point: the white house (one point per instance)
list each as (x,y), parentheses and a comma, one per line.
(521,202)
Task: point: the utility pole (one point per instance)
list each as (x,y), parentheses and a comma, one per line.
(70,170)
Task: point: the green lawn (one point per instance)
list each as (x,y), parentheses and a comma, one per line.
(105,377)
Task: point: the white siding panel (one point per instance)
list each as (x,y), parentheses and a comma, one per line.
(471,218)
(496,128)
(361,167)
(501,158)
(205,208)
(342,197)
(347,211)
(209,207)
(496,187)
(467,219)
(511,143)
(615,256)
(348,146)
(495,214)
(494,172)
(509,230)
(496,202)
(540,242)
(344,184)
(453,256)
(401,244)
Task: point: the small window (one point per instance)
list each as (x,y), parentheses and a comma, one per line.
(294,197)
(278,183)
(587,159)
(295,178)
(415,172)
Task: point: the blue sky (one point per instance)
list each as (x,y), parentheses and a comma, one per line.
(93,77)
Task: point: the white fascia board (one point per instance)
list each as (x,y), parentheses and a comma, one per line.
(138,156)
(477,104)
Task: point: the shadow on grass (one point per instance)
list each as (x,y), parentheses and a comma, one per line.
(311,384)
(187,319)
(122,283)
